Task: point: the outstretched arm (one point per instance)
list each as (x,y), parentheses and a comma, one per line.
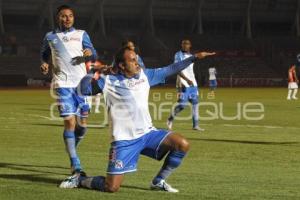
(157,76)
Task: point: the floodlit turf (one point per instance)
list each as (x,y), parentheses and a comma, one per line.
(232,159)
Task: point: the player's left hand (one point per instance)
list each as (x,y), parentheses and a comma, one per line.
(87,52)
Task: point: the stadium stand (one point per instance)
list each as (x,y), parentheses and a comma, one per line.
(267,54)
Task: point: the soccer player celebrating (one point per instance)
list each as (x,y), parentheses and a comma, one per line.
(68,48)
(212,80)
(126,95)
(293,83)
(189,88)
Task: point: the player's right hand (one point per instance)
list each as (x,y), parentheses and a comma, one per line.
(190,82)
(204,54)
(45,68)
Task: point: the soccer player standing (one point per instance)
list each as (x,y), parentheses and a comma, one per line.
(126,95)
(212,80)
(68,47)
(189,88)
(293,83)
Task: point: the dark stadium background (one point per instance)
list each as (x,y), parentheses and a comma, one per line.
(256,40)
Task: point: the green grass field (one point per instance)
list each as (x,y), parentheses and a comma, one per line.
(232,159)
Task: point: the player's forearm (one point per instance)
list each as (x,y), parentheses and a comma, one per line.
(179,66)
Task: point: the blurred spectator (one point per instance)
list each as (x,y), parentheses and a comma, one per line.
(10,46)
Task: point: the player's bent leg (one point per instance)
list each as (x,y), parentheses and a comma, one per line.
(177,146)
(113,183)
(110,183)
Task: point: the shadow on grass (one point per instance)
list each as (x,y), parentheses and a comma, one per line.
(135,187)
(32,168)
(31,177)
(243,141)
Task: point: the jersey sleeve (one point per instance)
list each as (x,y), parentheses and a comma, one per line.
(159,75)
(45,51)
(87,44)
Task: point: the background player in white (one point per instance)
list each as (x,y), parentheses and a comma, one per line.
(212,80)
(126,95)
(68,47)
(293,83)
(189,87)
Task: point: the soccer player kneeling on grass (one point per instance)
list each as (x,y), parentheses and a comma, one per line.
(126,94)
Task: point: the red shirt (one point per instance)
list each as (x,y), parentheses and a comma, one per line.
(292,75)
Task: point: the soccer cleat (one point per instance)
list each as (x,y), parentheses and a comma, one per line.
(169,124)
(163,186)
(295,98)
(197,128)
(70,182)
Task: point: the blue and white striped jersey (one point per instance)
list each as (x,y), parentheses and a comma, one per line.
(64,47)
(188,72)
(127,98)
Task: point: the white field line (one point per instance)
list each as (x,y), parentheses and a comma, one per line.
(247,126)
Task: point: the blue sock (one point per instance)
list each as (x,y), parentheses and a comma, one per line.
(195,115)
(96,183)
(69,138)
(177,110)
(172,161)
(79,134)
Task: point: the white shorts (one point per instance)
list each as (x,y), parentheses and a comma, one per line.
(293,85)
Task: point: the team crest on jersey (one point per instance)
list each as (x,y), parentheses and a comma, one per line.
(65,39)
(119,164)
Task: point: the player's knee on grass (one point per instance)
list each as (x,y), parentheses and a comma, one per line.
(113,183)
(112,189)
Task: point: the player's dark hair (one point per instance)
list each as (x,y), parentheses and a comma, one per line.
(125,42)
(63,7)
(186,39)
(119,56)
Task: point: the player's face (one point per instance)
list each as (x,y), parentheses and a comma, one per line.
(66,18)
(131,45)
(131,66)
(186,45)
